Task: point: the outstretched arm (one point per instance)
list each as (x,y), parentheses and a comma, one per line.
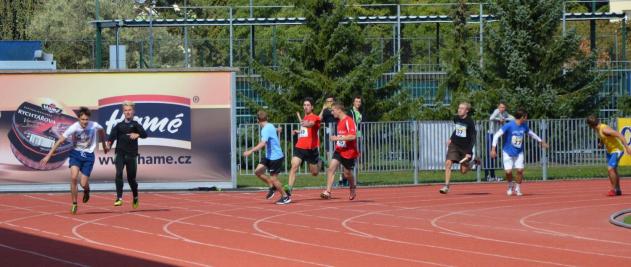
(52,150)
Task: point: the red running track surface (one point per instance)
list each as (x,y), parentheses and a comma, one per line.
(562,223)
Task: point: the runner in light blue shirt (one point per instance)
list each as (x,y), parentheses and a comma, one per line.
(273,160)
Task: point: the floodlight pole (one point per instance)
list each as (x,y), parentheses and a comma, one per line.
(98,45)
(251,37)
(231,36)
(398,37)
(481,35)
(186,50)
(153,5)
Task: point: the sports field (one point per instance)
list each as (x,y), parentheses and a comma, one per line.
(556,223)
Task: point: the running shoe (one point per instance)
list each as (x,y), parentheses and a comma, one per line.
(73,210)
(444,190)
(134,204)
(86,195)
(352,193)
(287,190)
(509,191)
(618,192)
(612,193)
(118,202)
(270,192)
(518,192)
(325,195)
(283,201)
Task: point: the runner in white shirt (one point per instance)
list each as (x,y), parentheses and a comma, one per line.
(83,135)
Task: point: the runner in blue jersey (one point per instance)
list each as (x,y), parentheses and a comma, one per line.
(273,160)
(513,149)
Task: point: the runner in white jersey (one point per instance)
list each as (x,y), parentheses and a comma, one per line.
(84,135)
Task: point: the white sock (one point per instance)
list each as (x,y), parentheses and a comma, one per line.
(517,187)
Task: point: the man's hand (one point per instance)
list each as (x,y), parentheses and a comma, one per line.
(247,153)
(45,160)
(493,153)
(544,145)
(335,138)
(133,136)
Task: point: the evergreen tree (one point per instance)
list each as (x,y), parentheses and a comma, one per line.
(333,59)
(530,64)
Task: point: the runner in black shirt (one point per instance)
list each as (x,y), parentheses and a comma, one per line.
(126,134)
(460,144)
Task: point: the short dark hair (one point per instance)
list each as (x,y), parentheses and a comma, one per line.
(308,99)
(592,121)
(502,103)
(520,113)
(357,97)
(84,111)
(261,115)
(329,96)
(339,106)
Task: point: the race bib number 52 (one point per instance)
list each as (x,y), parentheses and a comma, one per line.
(461,131)
(517,141)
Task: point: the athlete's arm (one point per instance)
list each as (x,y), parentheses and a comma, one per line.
(141,130)
(113,136)
(611,132)
(102,136)
(52,150)
(536,137)
(348,137)
(496,137)
(258,147)
(307,123)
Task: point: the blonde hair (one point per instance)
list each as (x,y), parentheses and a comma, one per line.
(466,104)
(128,103)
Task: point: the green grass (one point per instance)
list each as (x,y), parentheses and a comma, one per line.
(406,177)
(627,219)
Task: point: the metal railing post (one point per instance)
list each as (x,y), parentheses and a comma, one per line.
(416,150)
(544,158)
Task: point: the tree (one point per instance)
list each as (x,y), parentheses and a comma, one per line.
(530,64)
(333,59)
(65,28)
(15,17)
(458,59)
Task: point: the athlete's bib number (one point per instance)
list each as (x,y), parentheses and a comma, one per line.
(341,143)
(517,141)
(304,132)
(461,131)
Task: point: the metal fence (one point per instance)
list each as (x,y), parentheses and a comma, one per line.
(422,145)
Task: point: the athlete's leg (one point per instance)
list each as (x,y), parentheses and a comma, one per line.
(276,183)
(132,166)
(74,173)
(295,165)
(260,173)
(330,174)
(119,162)
(448,165)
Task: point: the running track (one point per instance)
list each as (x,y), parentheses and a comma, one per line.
(554,224)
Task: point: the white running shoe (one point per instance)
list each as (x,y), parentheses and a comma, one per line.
(518,190)
(509,192)
(444,190)
(518,193)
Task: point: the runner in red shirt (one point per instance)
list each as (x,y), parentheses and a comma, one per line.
(307,146)
(345,151)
